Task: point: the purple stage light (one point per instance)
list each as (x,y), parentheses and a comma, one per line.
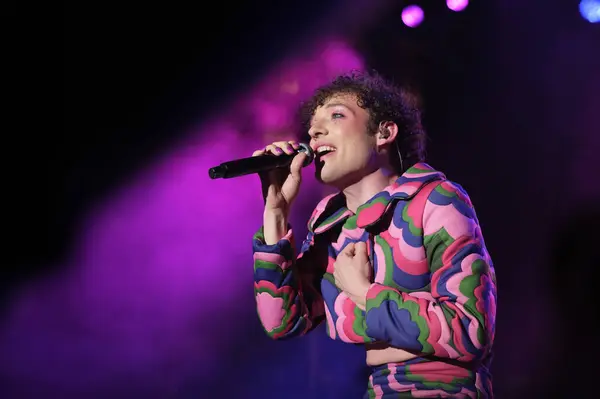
(457,5)
(412,16)
(159,280)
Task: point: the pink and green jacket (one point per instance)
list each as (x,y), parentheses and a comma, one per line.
(433,292)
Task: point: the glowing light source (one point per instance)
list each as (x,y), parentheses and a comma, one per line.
(412,16)
(590,10)
(457,5)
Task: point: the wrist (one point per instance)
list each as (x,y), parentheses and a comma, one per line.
(275,225)
(361,296)
(276,212)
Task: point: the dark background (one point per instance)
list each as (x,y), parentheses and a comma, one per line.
(511,92)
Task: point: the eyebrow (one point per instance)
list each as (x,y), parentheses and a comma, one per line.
(331,105)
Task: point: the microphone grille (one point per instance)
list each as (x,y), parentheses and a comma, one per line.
(305,148)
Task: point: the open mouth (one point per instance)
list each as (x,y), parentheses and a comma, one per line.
(324,151)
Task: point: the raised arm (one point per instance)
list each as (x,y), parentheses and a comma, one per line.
(286,289)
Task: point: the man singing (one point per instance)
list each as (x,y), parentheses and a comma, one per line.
(395,260)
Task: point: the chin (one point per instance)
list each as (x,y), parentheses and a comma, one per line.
(324,177)
(330,179)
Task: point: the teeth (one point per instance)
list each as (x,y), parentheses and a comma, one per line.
(324,148)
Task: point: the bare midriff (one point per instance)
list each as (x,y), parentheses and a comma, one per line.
(379,353)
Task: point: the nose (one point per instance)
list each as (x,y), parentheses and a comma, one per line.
(316,131)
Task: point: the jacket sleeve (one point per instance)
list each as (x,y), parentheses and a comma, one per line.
(287,289)
(457,319)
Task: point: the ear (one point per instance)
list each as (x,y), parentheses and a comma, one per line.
(386,134)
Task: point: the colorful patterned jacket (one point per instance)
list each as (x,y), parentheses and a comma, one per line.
(434,289)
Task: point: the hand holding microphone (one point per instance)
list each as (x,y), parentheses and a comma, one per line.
(266,159)
(280,186)
(279,167)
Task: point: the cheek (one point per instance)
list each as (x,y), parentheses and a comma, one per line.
(361,148)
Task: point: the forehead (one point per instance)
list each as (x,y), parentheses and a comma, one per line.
(347,99)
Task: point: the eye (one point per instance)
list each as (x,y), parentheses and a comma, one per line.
(337,115)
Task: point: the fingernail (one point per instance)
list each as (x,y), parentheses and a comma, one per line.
(279,150)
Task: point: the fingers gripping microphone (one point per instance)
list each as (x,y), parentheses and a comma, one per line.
(262,163)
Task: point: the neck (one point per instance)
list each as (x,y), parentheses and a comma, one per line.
(371,184)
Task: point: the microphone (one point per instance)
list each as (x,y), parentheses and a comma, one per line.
(261,163)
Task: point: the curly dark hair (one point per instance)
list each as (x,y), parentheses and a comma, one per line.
(384,102)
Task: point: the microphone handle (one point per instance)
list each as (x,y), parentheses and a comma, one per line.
(247,166)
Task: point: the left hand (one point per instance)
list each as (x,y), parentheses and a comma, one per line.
(352,271)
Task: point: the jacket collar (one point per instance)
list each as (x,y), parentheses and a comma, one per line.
(332,209)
